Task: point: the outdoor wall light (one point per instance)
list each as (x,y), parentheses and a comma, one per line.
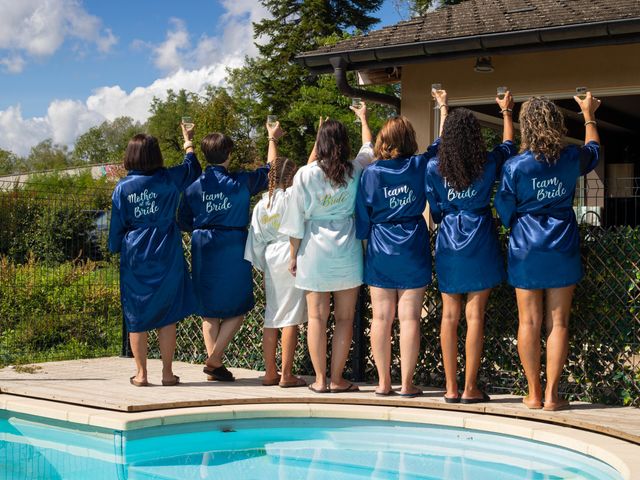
(483,65)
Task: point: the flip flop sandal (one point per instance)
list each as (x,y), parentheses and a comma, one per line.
(350,388)
(220,374)
(136,383)
(171,383)
(419,393)
(317,390)
(298,382)
(451,399)
(468,401)
(272,382)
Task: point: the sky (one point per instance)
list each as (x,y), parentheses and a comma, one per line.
(68,65)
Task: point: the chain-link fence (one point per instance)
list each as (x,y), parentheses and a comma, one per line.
(59,299)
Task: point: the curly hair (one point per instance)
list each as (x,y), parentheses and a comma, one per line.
(542,128)
(280,175)
(333,151)
(397,138)
(462,154)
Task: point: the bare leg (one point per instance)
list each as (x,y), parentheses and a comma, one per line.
(383,304)
(167,343)
(474,313)
(269,347)
(557,323)
(228,328)
(289,344)
(210,329)
(409,309)
(451,311)
(530,313)
(138,342)
(344,312)
(318,311)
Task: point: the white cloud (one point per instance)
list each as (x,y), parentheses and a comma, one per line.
(192,69)
(37,28)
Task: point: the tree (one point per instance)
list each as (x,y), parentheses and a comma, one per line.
(273,82)
(105,143)
(8,162)
(416,8)
(215,111)
(48,156)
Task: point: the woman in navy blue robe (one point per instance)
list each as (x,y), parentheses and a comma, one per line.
(216,209)
(459,186)
(155,286)
(389,218)
(535,200)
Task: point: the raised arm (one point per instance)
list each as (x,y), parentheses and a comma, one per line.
(312,155)
(589,106)
(506,108)
(190,169)
(441,98)
(363,114)
(275,134)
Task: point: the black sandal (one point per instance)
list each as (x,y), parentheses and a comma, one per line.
(469,401)
(220,373)
(451,399)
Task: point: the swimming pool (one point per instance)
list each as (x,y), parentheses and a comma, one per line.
(282,448)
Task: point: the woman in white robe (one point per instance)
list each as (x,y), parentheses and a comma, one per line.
(268,251)
(326,257)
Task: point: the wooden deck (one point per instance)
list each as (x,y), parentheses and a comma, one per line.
(104,384)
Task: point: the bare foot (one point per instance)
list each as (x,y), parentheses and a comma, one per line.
(560,404)
(270,380)
(532,403)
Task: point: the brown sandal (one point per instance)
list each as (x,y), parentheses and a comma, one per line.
(136,383)
(298,382)
(171,383)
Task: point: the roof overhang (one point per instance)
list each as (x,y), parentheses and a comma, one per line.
(613,32)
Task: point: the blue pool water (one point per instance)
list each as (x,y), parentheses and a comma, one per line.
(291,448)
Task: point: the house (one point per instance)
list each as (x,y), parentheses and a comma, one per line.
(535,47)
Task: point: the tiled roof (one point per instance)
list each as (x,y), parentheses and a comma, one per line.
(484,17)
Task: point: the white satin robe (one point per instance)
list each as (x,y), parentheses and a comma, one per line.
(322,215)
(268,251)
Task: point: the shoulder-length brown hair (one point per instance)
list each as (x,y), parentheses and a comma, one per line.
(397,138)
(143,153)
(542,129)
(333,152)
(216,148)
(462,154)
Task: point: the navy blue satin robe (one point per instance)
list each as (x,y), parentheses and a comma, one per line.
(468,257)
(155,286)
(535,199)
(216,209)
(389,206)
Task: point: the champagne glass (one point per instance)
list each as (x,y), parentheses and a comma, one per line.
(356,103)
(188,123)
(581,93)
(434,88)
(272,120)
(501,92)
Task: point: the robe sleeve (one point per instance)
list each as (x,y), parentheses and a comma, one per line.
(365,155)
(432,150)
(505,200)
(432,194)
(256,246)
(363,216)
(292,223)
(589,157)
(502,153)
(185,215)
(186,173)
(258,180)
(117,227)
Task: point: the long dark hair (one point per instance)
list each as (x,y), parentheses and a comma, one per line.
(462,153)
(143,153)
(333,151)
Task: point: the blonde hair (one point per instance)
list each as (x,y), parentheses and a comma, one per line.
(280,175)
(396,138)
(542,129)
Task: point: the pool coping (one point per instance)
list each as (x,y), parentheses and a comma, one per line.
(622,455)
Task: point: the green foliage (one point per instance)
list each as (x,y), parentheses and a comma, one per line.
(9,162)
(48,156)
(216,111)
(105,143)
(67,311)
